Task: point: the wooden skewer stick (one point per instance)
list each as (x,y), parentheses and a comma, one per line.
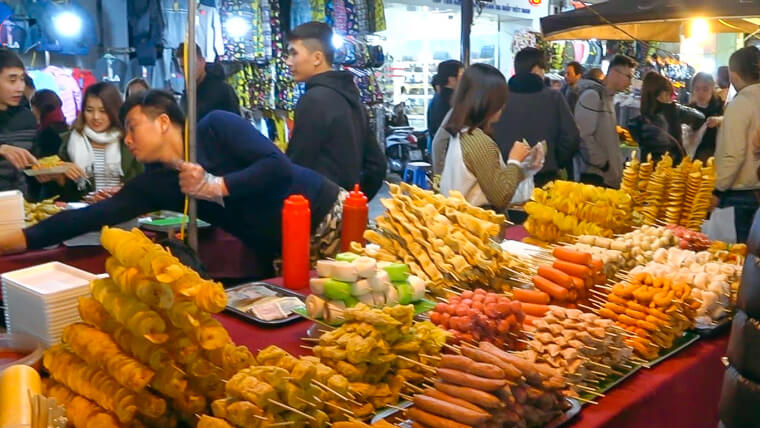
(406,397)
(292,409)
(307,347)
(400,409)
(281,424)
(413,386)
(453,348)
(589,308)
(591,391)
(309,403)
(310,339)
(432,357)
(409,360)
(261,418)
(328,389)
(344,410)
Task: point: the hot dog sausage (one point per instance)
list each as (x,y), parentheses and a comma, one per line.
(571,255)
(573,269)
(484,357)
(418,425)
(556,291)
(489,401)
(535,310)
(530,296)
(449,410)
(465,379)
(431,392)
(556,276)
(467,365)
(526,367)
(431,420)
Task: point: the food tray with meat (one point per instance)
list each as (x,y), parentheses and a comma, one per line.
(391,414)
(420,308)
(264,303)
(713,329)
(679,345)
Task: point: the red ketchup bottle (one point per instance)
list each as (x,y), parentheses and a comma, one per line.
(355,212)
(296,242)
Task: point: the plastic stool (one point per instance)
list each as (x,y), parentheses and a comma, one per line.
(416,174)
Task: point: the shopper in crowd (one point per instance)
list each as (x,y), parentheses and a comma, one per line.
(241,181)
(18,126)
(705,98)
(138,84)
(331,135)
(474,164)
(658,128)
(737,151)
(449,73)
(212,91)
(29,90)
(724,83)
(600,161)
(536,113)
(95,152)
(573,75)
(595,73)
(51,132)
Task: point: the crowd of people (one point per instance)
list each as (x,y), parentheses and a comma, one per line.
(127,155)
(491,119)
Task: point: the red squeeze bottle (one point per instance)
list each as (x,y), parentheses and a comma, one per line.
(355,212)
(296,242)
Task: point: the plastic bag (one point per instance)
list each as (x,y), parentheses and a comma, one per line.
(530,166)
(721,226)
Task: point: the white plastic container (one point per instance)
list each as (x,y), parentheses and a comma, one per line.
(11,210)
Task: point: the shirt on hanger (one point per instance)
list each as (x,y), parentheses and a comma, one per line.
(68,91)
(111,69)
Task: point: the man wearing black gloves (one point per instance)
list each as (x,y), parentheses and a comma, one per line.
(536,113)
(448,76)
(213,93)
(332,134)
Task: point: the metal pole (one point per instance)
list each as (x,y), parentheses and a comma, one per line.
(467,13)
(190,74)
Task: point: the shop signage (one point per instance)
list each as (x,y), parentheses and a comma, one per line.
(516,8)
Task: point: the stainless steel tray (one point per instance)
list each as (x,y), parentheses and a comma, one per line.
(284,292)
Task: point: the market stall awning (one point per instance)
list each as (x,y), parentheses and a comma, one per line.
(651,20)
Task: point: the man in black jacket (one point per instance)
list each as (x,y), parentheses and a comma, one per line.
(213,93)
(448,76)
(332,135)
(18,126)
(535,113)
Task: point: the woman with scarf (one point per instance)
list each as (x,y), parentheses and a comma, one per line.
(97,148)
(658,128)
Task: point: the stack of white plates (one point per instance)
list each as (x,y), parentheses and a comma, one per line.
(11,210)
(42,300)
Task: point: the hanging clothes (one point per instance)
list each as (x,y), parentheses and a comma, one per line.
(146,27)
(318,10)
(300,12)
(240,47)
(68,91)
(174,13)
(362,16)
(379,18)
(84,78)
(43,80)
(111,69)
(352,26)
(209,31)
(14,34)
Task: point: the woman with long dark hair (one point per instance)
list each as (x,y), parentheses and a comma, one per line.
(706,100)
(474,165)
(46,106)
(658,128)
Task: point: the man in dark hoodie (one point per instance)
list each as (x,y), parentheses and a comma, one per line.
(213,93)
(536,113)
(331,134)
(18,126)
(448,76)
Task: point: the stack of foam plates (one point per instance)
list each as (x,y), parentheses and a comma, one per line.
(42,300)
(11,211)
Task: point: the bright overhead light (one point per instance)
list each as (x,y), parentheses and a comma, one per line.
(337,41)
(700,30)
(68,24)
(237,27)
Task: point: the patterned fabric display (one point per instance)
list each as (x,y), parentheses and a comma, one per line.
(352,26)
(242,48)
(318,8)
(379,18)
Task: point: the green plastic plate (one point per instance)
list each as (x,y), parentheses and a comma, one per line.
(420,307)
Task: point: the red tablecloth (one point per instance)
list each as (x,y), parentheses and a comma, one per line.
(681,392)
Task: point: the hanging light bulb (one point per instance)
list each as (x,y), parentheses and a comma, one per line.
(67,24)
(237,27)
